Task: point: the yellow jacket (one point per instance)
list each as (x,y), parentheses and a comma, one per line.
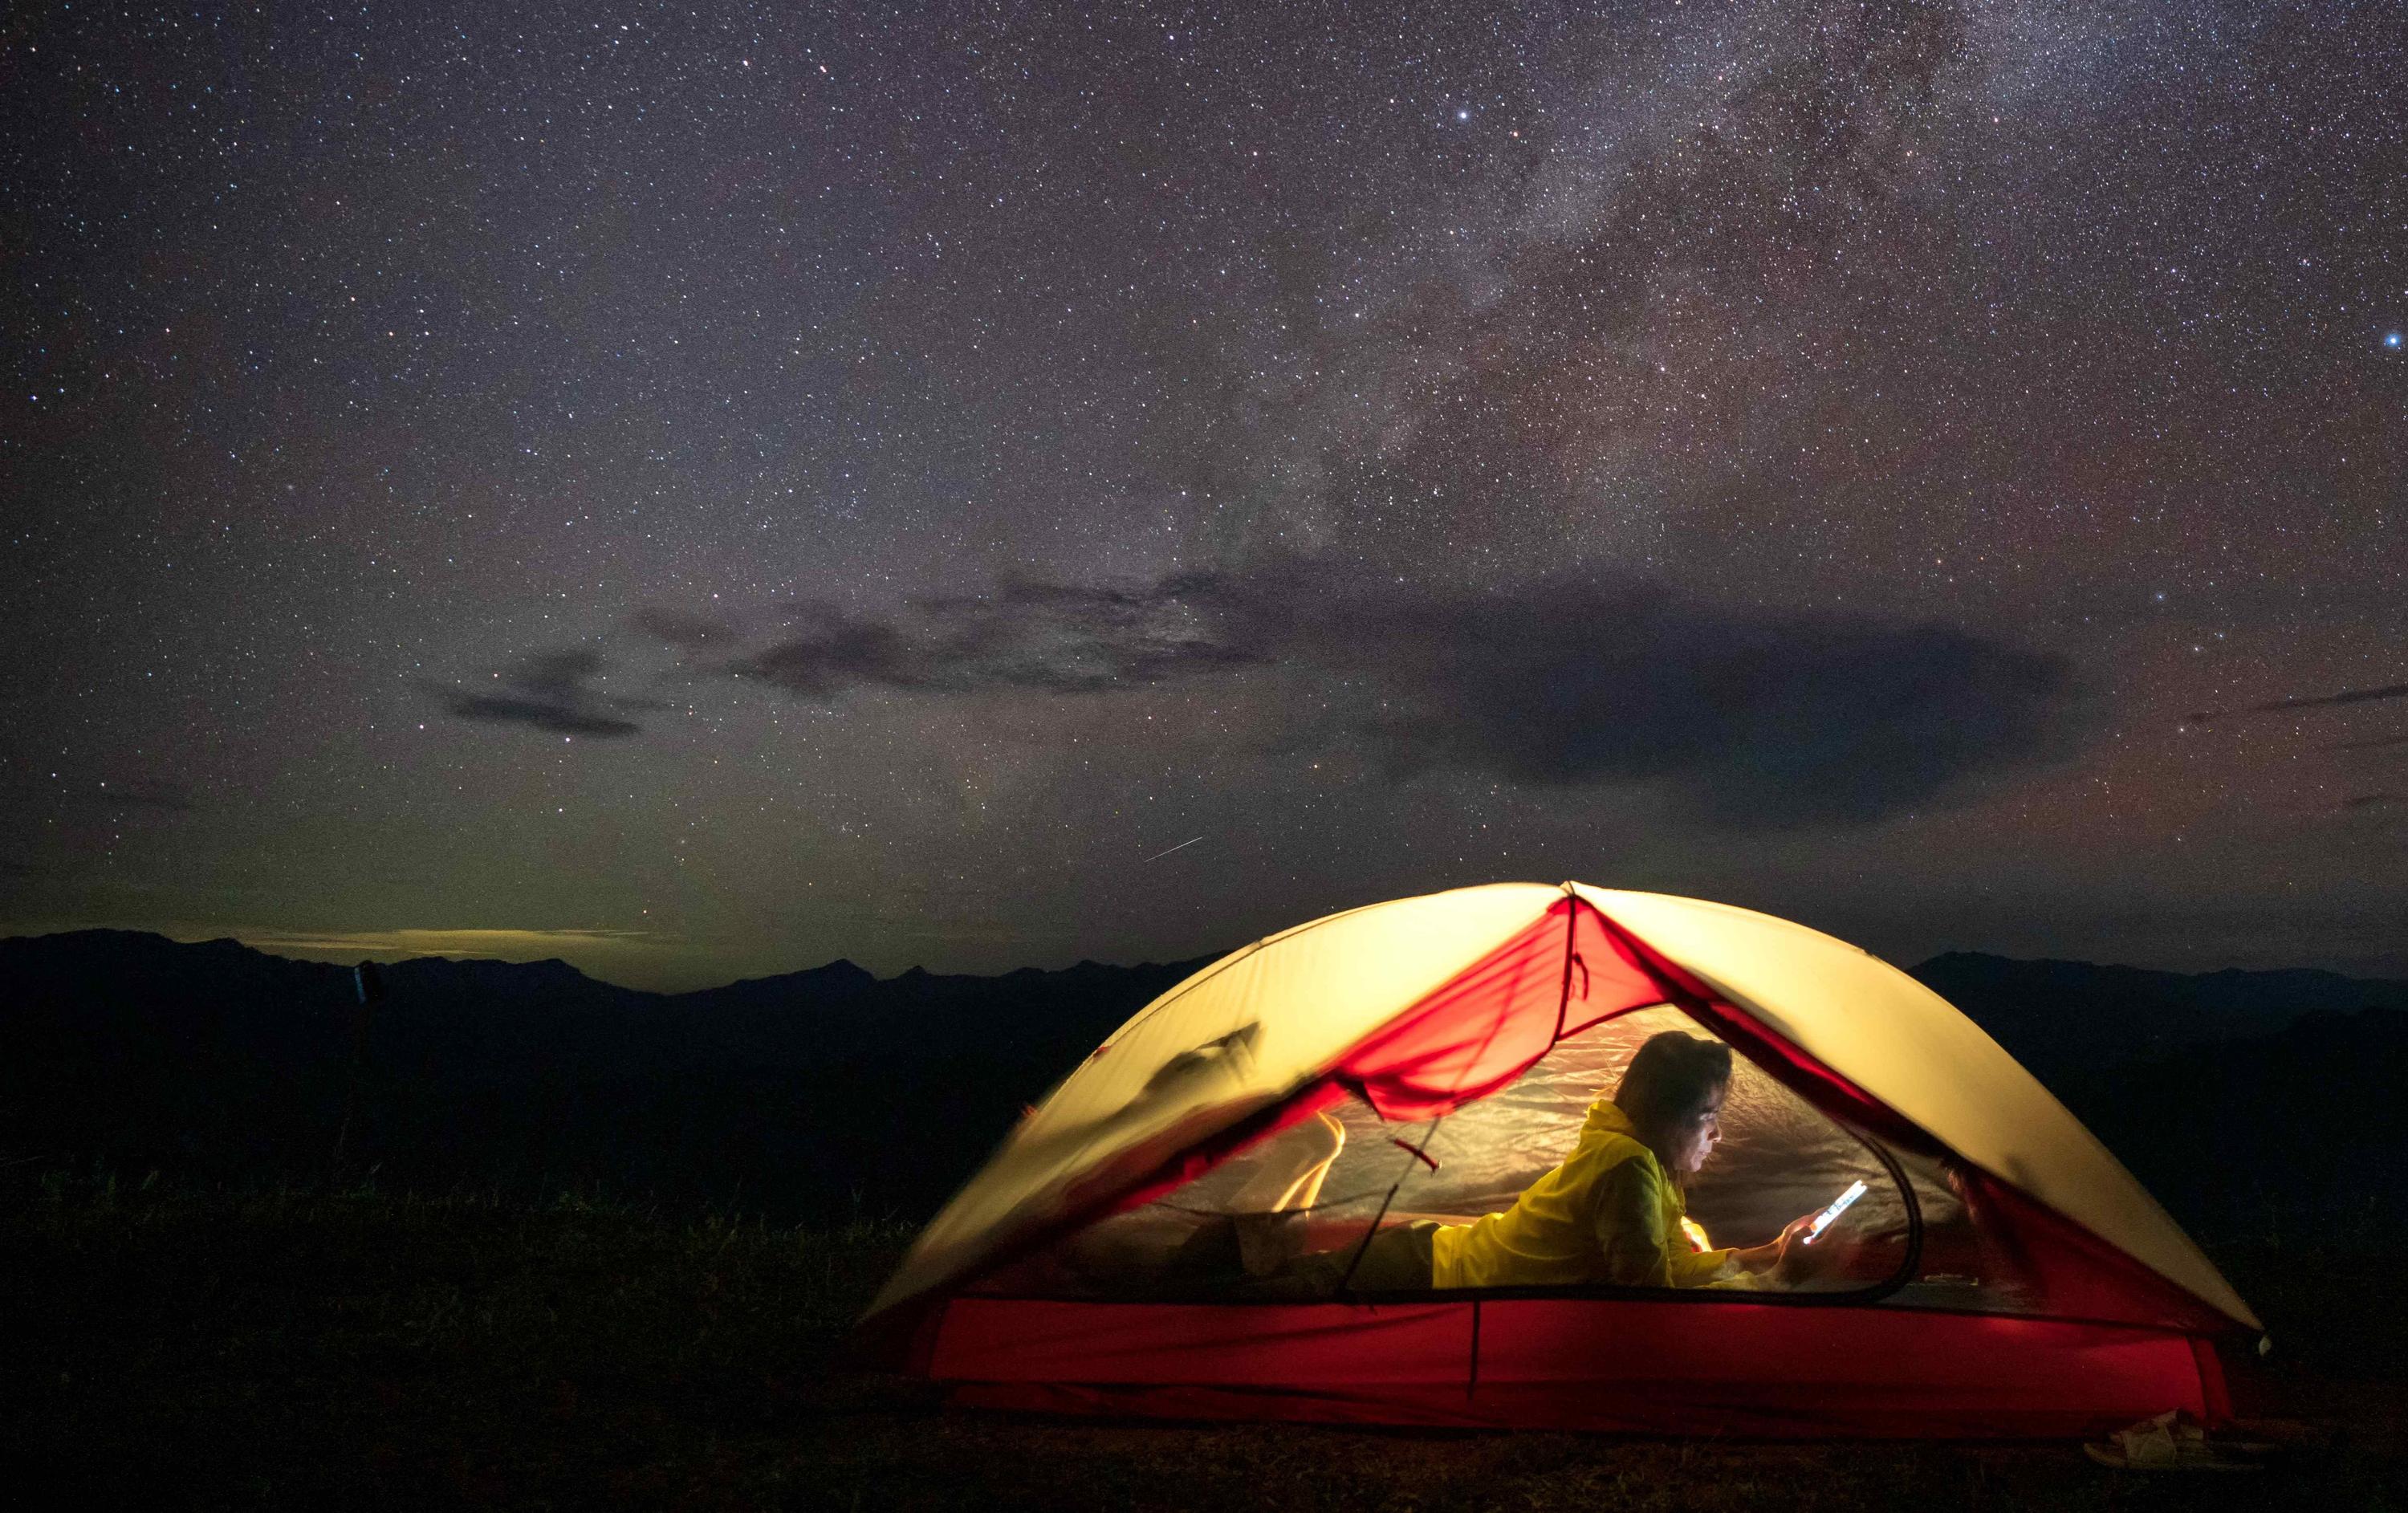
(1606,1214)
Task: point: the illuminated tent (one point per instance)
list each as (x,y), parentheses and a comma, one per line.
(2006,1276)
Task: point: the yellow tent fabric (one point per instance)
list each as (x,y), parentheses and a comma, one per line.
(1265,1022)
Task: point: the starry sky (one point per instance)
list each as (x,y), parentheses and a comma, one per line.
(703,490)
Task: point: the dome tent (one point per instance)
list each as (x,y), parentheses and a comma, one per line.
(2007,1278)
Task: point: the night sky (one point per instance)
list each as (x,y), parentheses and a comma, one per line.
(705,490)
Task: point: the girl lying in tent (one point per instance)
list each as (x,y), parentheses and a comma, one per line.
(1610,1213)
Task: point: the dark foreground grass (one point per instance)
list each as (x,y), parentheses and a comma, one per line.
(358,1350)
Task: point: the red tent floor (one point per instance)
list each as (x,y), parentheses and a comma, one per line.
(1637,1365)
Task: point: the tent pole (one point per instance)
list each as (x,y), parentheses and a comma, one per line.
(1571,931)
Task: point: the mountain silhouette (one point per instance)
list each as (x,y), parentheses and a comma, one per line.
(2062,1018)
(804,1093)
(2236,1095)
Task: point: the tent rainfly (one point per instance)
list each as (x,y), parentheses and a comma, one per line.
(2005,1276)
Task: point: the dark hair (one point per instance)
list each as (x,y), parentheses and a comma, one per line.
(1669,1082)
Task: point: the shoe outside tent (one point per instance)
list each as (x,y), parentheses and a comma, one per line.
(2005,1276)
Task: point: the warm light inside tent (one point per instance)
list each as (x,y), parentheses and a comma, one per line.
(1317,1186)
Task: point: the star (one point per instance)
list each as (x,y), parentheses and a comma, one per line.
(2391,340)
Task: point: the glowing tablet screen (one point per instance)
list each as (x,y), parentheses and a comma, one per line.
(1838,1206)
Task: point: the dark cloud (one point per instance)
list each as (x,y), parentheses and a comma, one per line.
(2356,696)
(548,690)
(2377,743)
(2321,701)
(693,630)
(1044,636)
(2371,801)
(1748,718)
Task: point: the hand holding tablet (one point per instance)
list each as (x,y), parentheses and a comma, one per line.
(1838,1207)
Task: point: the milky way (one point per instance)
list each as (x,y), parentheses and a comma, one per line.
(706,489)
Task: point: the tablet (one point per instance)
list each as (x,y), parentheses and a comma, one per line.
(1838,1206)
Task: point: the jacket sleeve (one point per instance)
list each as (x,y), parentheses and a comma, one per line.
(1706,1268)
(1639,1250)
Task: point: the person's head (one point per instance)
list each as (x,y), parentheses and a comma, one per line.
(1673,1094)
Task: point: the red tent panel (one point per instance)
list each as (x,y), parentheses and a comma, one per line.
(1648,1366)
(1395,1363)
(1773,1370)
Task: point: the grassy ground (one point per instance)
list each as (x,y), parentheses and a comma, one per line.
(354,1350)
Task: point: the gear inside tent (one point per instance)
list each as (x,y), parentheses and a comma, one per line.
(1181,1227)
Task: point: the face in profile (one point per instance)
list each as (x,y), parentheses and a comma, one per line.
(1694,1139)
